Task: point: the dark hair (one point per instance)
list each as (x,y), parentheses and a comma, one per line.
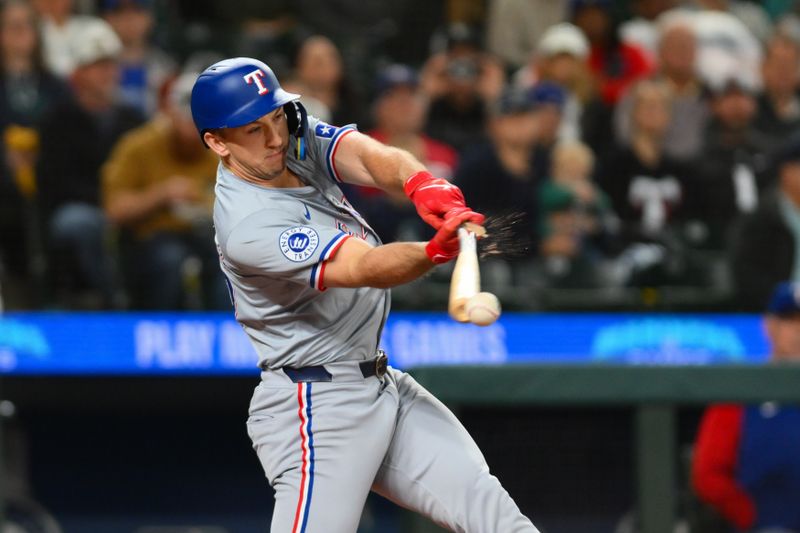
(38,54)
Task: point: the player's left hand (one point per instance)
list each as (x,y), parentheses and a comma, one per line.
(445,245)
(437,199)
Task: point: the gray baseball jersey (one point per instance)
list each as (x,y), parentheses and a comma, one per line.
(325,445)
(273,245)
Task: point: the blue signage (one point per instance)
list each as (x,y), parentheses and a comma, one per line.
(213,343)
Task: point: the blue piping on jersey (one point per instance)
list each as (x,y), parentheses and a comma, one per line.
(329,151)
(323,256)
(311,458)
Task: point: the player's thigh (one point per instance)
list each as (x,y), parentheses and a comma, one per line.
(429,444)
(434,467)
(321,445)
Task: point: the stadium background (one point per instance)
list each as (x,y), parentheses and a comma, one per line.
(102,435)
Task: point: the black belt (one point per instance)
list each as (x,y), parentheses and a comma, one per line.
(372,367)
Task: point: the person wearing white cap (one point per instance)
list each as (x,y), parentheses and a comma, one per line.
(62,30)
(560,57)
(76,137)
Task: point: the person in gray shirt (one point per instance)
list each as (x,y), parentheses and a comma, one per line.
(309,278)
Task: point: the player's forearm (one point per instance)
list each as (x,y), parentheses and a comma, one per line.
(392,169)
(365,161)
(388,266)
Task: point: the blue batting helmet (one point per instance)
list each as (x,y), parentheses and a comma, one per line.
(235,92)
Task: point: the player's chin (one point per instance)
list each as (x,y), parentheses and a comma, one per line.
(270,171)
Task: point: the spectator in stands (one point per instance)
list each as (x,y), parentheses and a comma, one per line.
(751,14)
(76,137)
(764,249)
(158,186)
(143,67)
(644,184)
(723,43)
(271,32)
(560,58)
(460,81)
(548,99)
(730,170)
(642,30)
(313,106)
(779,103)
(399,115)
(515,26)
(62,32)
(689,110)
(320,69)
(498,176)
(614,64)
(27,90)
(575,217)
(746,465)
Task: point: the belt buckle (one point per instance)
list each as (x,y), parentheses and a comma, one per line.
(381,364)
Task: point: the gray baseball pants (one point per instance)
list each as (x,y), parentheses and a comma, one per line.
(325,445)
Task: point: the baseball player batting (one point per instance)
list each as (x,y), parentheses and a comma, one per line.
(309,279)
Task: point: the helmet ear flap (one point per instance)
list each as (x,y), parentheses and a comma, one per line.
(296,118)
(297,121)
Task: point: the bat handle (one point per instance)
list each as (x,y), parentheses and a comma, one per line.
(466,240)
(466,276)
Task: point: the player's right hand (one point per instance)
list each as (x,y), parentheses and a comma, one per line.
(436,199)
(444,246)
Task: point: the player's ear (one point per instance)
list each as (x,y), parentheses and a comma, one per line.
(215,141)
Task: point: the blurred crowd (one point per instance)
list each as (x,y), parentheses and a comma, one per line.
(643,147)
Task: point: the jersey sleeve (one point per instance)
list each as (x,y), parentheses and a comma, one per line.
(714,466)
(323,141)
(267,243)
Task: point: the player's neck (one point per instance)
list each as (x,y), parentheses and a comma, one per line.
(285,180)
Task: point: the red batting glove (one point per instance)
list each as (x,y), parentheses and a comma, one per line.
(445,246)
(436,199)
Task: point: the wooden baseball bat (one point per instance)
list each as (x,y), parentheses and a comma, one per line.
(466,280)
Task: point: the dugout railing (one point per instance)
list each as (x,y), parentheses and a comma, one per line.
(655,393)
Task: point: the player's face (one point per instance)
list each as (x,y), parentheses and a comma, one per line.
(784,335)
(258,150)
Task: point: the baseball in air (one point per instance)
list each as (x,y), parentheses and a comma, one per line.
(483,308)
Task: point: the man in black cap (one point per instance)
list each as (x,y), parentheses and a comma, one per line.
(460,81)
(764,250)
(731,166)
(501,174)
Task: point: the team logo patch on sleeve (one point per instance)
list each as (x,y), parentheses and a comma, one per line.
(299,243)
(325,130)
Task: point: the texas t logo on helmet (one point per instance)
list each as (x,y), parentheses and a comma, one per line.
(255,77)
(221,100)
